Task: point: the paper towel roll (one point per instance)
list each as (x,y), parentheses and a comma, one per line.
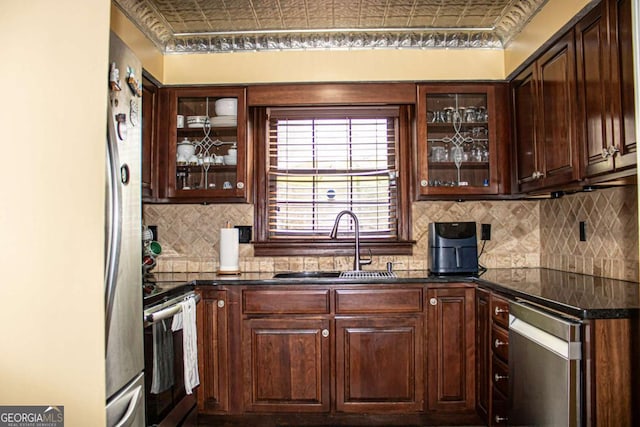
(229,249)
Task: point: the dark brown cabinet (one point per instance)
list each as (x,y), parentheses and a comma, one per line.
(376,335)
(451,348)
(544,93)
(462,142)
(286,365)
(483,352)
(379,350)
(203,147)
(492,338)
(606,88)
(213,348)
(286,349)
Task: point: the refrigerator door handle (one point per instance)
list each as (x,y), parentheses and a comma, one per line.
(132,409)
(114,220)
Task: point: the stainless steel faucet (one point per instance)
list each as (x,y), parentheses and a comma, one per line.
(357,262)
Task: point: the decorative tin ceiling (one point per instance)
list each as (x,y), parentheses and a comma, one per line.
(208,26)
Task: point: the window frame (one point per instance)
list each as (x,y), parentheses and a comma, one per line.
(264,245)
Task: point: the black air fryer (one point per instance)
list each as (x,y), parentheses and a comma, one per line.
(453,248)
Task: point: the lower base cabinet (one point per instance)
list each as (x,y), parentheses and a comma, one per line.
(434,354)
(286,365)
(451,348)
(213,351)
(379,364)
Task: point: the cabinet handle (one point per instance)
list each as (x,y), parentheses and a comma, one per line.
(433,301)
(610,151)
(498,377)
(424,183)
(537,175)
(499,310)
(500,419)
(497,343)
(325,333)
(220,303)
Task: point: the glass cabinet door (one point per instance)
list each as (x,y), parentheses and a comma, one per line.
(208,147)
(456,142)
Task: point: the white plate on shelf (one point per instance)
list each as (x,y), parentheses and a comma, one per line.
(224,121)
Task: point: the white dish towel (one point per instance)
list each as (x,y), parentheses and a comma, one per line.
(186,320)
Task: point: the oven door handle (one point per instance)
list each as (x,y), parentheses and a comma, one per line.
(166,313)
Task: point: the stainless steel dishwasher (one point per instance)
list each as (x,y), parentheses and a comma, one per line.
(545,354)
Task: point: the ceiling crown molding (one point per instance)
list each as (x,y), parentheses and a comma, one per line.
(153,25)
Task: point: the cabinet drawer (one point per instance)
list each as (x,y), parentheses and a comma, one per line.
(500,377)
(500,311)
(500,408)
(378,300)
(282,301)
(500,343)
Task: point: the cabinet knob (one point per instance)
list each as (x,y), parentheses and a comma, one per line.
(220,303)
(498,377)
(497,343)
(500,419)
(613,150)
(325,333)
(240,185)
(605,153)
(499,310)
(433,301)
(424,183)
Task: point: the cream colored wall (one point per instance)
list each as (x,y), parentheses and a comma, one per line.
(152,59)
(553,16)
(334,66)
(52,117)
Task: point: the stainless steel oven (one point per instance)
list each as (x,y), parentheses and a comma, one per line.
(167,403)
(545,376)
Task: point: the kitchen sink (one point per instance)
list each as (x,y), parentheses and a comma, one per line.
(334,274)
(307,275)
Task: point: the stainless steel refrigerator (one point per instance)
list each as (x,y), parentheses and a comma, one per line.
(123,275)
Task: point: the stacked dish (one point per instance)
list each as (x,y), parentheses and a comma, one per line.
(224,121)
(196,121)
(226,113)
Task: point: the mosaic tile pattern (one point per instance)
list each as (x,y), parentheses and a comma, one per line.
(539,233)
(611,248)
(189,237)
(178,26)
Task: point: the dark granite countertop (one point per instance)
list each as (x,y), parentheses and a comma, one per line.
(579,295)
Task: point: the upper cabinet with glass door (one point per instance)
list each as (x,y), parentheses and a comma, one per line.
(206,145)
(458,149)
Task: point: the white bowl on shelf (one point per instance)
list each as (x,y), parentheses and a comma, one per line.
(226,107)
(196,121)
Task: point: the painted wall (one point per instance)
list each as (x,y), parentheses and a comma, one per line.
(151,58)
(334,66)
(52,117)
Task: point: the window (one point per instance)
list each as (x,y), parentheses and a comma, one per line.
(321,161)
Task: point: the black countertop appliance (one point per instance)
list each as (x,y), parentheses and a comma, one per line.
(453,248)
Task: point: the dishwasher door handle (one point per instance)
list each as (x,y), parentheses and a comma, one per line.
(565,349)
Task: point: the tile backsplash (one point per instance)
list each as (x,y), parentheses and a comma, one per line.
(611,220)
(525,233)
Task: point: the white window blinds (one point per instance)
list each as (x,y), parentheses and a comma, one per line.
(323,161)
